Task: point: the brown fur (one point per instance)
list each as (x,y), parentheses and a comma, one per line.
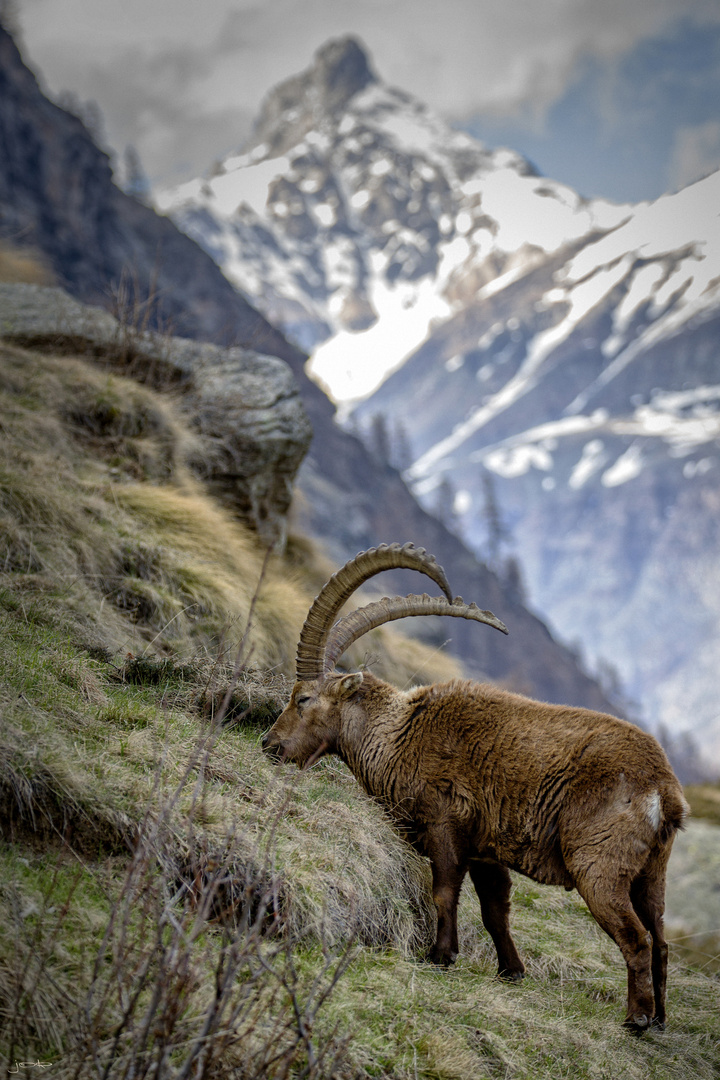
(483,781)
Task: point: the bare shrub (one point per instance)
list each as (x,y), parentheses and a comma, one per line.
(196,973)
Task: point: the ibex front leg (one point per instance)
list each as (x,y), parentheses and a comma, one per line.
(449,865)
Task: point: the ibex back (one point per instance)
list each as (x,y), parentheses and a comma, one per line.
(484,781)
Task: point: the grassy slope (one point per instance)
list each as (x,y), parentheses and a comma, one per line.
(123,594)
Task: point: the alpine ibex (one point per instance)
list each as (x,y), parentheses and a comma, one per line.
(482,781)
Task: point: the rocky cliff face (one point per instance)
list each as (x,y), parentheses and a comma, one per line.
(57,195)
(245,407)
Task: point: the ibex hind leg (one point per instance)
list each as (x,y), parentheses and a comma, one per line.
(647,893)
(611,905)
(492,885)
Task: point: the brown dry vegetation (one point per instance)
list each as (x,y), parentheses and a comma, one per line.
(23,265)
(704,801)
(97,504)
(172,905)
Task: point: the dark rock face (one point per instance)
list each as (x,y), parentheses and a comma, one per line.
(248,410)
(57,195)
(246,407)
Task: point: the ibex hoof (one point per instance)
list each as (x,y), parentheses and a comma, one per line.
(637,1023)
(440,958)
(511,976)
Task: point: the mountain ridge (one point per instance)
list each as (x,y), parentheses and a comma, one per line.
(308,235)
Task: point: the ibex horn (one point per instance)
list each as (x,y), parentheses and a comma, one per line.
(327,604)
(357,623)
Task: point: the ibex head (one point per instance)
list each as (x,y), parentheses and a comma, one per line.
(309,726)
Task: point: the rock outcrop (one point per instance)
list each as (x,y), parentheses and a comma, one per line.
(245,406)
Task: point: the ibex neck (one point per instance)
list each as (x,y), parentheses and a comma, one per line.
(371,729)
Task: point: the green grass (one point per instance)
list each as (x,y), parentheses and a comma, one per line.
(170,898)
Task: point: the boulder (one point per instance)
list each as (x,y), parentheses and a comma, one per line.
(245,406)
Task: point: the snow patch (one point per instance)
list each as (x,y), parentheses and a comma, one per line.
(511,199)
(360,199)
(464,222)
(463,502)
(352,365)
(325,214)
(381,167)
(642,286)
(697,468)
(249,185)
(452,255)
(627,467)
(510,462)
(454,363)
(593,457)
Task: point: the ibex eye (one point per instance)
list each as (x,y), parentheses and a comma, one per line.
(302,700)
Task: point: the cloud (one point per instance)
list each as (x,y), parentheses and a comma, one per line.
(461,55)
(150,99)
(696,153)
(181,79)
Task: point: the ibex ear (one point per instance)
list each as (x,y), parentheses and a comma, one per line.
(348,685)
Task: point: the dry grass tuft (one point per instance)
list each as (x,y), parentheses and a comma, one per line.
(95,505)
(184,974)
(24,265)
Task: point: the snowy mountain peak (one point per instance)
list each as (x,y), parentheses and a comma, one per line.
(358,216)
(341,69)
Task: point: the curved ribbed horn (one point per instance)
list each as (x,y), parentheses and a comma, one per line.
(357,623)
(341,586)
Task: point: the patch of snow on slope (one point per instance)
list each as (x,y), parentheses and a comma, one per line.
(516,461)
(687,223)
(670,400)
(352,365)
(593,457)
(682,433)
(411,133)
(224,193)
(532,211)
(627,467)
(581,299)
(516,454)
(642,286)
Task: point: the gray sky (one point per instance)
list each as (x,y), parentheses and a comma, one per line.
(616,97)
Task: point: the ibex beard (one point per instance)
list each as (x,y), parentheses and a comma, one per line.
(483,781)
